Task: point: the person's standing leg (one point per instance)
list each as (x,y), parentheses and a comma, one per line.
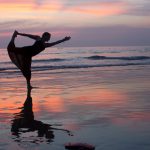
(26,70)
(27,75)
(28,78)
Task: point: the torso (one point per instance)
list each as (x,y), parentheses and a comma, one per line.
(37,47)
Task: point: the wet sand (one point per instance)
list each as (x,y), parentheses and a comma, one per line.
(108,108)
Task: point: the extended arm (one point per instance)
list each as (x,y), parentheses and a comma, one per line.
(57,42)
(35,37)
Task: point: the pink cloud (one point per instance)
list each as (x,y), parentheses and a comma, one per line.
(101,9)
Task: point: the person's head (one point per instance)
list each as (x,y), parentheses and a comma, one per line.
(46,36)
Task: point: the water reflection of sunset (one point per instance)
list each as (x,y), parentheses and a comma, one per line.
(61,94)
(51,104)
(53,99)
(100,96)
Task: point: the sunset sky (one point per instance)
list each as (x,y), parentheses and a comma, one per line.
(88,22)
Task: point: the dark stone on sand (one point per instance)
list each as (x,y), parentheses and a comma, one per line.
(79,146)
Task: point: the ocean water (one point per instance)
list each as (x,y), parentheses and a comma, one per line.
(99,94)
(84,57)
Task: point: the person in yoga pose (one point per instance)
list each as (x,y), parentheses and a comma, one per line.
(22,56)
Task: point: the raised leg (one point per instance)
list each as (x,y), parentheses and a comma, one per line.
(11,46)
(14,36)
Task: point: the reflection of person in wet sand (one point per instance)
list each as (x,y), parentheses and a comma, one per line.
(24,122)
(22,56)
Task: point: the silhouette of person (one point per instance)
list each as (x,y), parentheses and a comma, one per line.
(25,120)
(22,56)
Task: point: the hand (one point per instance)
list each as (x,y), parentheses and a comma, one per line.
(67,38)
(15,33)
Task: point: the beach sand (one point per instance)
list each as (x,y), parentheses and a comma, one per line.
(107,108)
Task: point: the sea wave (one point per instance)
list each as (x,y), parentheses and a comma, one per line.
(41,68)
(85,66)
(65,67)
(37,61)
(49,60)
(2,69)
(97,57)
(94,57)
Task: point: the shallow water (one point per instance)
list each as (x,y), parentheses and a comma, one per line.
(106,106)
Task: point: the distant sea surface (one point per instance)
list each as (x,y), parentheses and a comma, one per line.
(100,94)
(83,57)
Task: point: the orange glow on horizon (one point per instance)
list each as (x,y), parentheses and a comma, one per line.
(104,9)
(27,7)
